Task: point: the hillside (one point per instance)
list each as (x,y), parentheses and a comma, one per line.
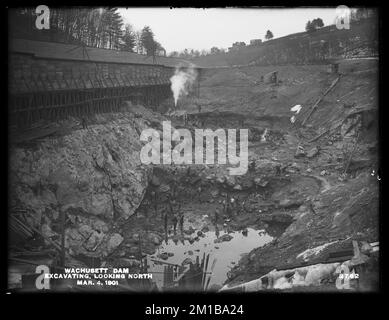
(300,48)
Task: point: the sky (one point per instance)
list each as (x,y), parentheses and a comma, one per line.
(177,29)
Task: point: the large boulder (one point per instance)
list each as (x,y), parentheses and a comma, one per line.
(223,238)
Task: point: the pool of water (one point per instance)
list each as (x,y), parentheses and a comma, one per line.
(225,254)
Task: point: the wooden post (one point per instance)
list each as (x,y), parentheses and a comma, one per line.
(198,84)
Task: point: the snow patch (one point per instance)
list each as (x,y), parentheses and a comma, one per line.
(314,251)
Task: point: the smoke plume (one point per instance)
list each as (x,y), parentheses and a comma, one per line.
(182,81)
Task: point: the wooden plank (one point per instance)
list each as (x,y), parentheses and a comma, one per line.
(314,107)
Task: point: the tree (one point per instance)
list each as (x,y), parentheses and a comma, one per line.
(128,39)
(309,26)
(215,50)
(269,35)
(173,54)
(138,42)
(97,27)
(159,50)
(203,53)
(319,22)
(147,40)
(314,24)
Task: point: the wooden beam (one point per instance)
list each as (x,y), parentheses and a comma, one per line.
(314,107)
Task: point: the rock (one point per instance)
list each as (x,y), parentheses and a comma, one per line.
(215,193)
(237,187)
(223,238)
(309,170)
(163,256)
(323,172)
(289,203)
(245,232)
(294,165)
(205,229)
(351,126)
(125,262)
(189,231)
(312,152)
(221,180)
(230,181)
(199,233)
(155,181)
(277,218)
(303,208)
(190,252)
(358,164)
(114,241)
(247,184)
(214,288)
(366,248)
(148,249)
(261,182)
(299,152)
(155,239)
(164,188)
(46,231)
(133,250)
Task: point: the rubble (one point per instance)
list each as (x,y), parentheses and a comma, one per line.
(223,238)
(312,152)
(300,152)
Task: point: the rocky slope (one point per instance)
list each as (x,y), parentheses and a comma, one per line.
(93,175)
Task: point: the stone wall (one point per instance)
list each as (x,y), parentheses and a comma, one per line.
(30,74)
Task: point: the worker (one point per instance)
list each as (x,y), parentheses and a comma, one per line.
(175,220)
(227,205)
(181,222)
(278,169)
(199,192)
(165,221)
(237,207)
(217,231)
(170,202)
(252,166)
(216,216)
(84,124)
